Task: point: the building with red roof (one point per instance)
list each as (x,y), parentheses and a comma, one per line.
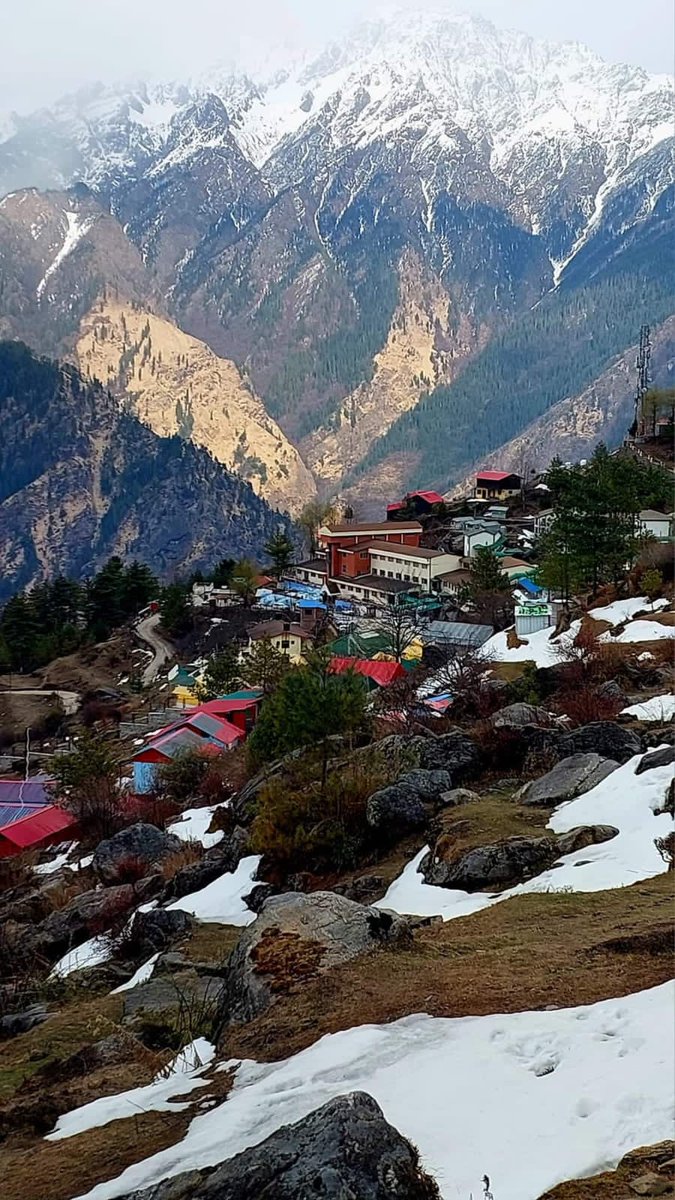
(28,819)
(377,674)
(420,503)
(496,485)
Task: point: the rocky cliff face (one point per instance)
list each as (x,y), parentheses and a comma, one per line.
(80,479)
(75,285)
(176,385)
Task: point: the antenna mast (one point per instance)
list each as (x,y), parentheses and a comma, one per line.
(642,363)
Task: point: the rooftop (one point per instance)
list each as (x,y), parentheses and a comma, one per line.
(496,476)
(372,527)
(407,551)
(379,583)
(270,629)
(651,514)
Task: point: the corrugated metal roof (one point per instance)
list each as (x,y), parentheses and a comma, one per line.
(456,633)
(42,823)
(496,476)
(25,791)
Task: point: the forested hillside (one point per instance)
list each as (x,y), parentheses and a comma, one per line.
(549,353)
(80,480)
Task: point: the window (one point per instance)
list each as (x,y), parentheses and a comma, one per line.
(390,574)
(285,643)
(398,574)
(407,577)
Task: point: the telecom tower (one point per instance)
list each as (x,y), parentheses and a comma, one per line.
(643,376)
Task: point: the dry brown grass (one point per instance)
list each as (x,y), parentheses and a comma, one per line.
(210,943)
(34,1170)
(614,1185)
(527,953)
(286,959)
(189,854)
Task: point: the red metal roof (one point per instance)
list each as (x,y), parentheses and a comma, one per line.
(381,673)
(430,497)
(494,476)
(44,823)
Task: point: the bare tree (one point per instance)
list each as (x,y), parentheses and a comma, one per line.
(401,626)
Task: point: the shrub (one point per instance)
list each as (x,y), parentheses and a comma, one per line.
(297,828)
(87,784)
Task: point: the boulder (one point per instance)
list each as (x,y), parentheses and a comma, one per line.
(133,853)
(486,867)
(296,937)
(569,778)
(516,716)
(396,809)
(428,785)
(605,738)
(657,758)
(584,835)
(218,860)
(20,1022)
(345,1150)
(259,895)
(612,690)
(457,796)
(455,752)
(85,916)
(159,928)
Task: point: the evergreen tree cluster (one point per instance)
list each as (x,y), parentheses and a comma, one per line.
(545,355)
(57,617)
(595,534)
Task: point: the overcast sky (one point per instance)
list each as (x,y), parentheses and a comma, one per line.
(53,46)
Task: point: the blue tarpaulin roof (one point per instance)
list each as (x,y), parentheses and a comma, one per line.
(528,586)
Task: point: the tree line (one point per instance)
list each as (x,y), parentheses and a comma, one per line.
(57,617)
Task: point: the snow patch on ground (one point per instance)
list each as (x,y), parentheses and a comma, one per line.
(89,954)
(625,800)
(625,610)
(640,631)
(531,1098)
(223,899)
(142,975)
(193,825)
(180,1078)
(658,708)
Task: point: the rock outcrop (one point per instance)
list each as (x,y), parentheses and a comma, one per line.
(133,853)
(85,916)
(605,738)
(494,866)
(569,778)
(345,1150)
(455,752)
(295,937)
(407,804)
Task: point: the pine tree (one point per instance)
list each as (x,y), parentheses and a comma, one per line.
(244,581)
(222,674)
(279,547)
(264,666)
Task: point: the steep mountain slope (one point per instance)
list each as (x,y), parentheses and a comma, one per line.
(573,426)
(547,355)
(177,385)
(75,285)
(277,217)
(80,480)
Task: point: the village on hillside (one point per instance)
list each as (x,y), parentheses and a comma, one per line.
(226,794)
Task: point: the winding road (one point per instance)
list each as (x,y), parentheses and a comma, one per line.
(162,651)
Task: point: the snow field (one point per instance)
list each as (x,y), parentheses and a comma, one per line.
(624,799)
(223,899)
(529,1098)
(658,708)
